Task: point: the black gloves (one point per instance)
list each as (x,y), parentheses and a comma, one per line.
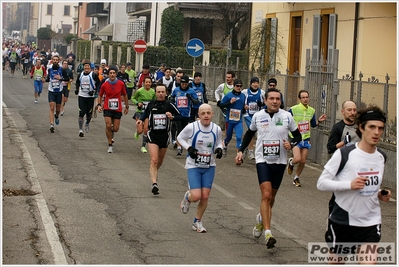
(260,103)
(192,152)
(218,103)
(91,93)
(76,91)
(219,153)
(347,138)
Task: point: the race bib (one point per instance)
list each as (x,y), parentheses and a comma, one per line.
(182,102)
(26,60)
(303,127)
(234,114)
(55,84)
(271,149)
(85,86)
(113,103)
(203,159)
(253,107)
(199,95)
(38,77)
(160,121)
(373,184)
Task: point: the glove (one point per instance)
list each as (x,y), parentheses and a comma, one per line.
(76,91)
(189,96)
(91,93)
(219,153)
(192,152)
(218,103)
(347,138)
(260,103)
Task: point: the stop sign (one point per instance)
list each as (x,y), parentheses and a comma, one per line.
(140,46)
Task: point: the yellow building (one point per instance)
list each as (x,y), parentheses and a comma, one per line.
(364,33)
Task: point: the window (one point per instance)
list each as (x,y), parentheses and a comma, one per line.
(49,9)
(67,10)
(324,36)
(48,26)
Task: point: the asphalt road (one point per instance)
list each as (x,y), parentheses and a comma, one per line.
(67,201)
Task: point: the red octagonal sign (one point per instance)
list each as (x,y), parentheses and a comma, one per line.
(140,46)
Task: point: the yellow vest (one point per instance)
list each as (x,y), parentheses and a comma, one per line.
(302,116)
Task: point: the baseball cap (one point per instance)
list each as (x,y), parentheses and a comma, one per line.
(146,66)
(237,81)
(184,79)
(103,61)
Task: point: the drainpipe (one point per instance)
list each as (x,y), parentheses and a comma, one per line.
(354,49)
(156,21)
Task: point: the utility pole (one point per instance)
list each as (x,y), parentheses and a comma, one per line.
(229,47)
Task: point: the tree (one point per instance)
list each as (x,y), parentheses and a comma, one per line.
(68,38)
(171,27)
(45,33)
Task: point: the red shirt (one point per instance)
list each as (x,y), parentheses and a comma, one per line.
(112,92)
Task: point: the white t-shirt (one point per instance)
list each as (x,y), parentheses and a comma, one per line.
(219,92)
(269,146)
(355,207)
(205,139)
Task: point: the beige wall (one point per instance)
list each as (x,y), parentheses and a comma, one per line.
(376,47)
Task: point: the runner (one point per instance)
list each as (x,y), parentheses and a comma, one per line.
(67,78)
(54,78)
(39,73)
(111,93)
(273,125)
(202,139)
(141,98)
(158,116)
(87,85)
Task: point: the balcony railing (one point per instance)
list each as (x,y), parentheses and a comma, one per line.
(136,7)
(96,10)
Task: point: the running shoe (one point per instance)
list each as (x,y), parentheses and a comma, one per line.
(290,168)
(51,128)
(258,229)
(270,240)
(245,153)
(251,155)
(136,136)
(36,101)
(143,150)
(81,134)
(87,128)
(110,149)
(225,151)
(62,113)
(179,151)
(197,226)
(155,189)
(57,120)
(296,182)
(174,144)
(185,203)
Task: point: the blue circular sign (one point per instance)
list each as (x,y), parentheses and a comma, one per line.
(195,47)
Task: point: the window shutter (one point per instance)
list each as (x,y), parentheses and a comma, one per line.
(332,33)
(316,37)
(273,45)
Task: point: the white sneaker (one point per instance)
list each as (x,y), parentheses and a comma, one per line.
(197,226)
(185,203)
(245,153)
(110,149)
(251,155)
(258,229)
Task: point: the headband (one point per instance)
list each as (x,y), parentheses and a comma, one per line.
(371,115)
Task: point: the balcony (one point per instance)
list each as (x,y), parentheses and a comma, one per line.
(138,9)
(96,10)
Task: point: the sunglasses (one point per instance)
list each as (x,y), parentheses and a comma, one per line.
(238,85)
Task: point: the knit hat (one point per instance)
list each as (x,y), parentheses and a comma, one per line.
(103,61)
(254,80)
(237,81)
(184,79)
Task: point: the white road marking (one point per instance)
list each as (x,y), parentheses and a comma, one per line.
(48,223)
